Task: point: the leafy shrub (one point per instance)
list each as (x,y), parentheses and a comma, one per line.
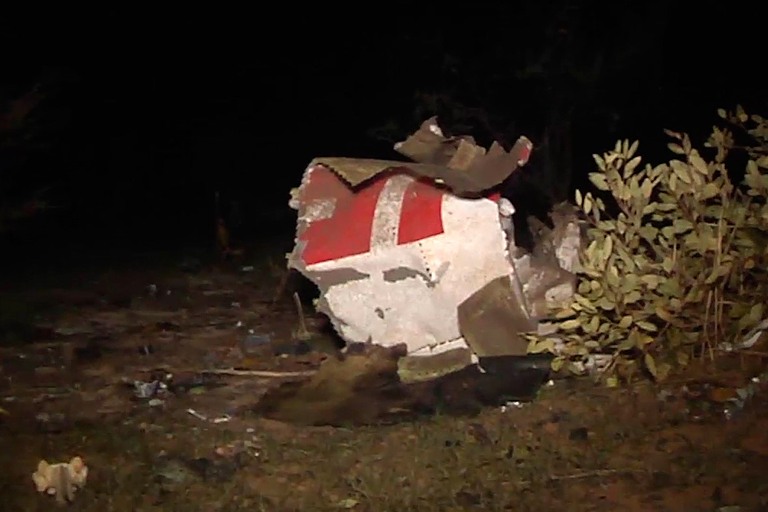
(674,264)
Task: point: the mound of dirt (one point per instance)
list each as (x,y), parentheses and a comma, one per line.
(363,388)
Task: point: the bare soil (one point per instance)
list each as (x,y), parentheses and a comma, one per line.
(75,347)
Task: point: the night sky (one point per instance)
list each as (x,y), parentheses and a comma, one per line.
(146,113)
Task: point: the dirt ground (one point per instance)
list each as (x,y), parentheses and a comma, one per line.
(131,368)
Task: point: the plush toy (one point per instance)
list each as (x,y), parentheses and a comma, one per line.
(61,479)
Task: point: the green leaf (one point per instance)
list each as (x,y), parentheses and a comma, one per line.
(593,325)
(682,225)
(741,115)
(650,364)
(649,209)
(698,163)
(606,225)
(682,171)
(570,325)
(709,191)
(675,148)
(633,149)
(599,161)
(627,343)
(607,248)
(600,204)
(648,232)
(630,166)
(606,304)
(541,346)
(664,314)
(585,303)
(671,287)
(626,322)
(599,181)
(668,264)
(646,326)
(630,283)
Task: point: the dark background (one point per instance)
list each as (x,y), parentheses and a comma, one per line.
(146,113)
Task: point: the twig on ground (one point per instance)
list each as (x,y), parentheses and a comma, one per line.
(594,473)
(257,373)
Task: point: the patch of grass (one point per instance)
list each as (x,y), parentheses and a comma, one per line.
(563,449)
(576,447)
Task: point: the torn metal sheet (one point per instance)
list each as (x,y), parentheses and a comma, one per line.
(548,275)
(420,254)
(486,316)
(456,162)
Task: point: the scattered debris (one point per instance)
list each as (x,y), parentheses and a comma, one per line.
(61,479)
(234,449)
(197,415)
(749,339)
(428,258)
(288,466)
(224,418)
(744,394)
(511,405)
(149,389)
